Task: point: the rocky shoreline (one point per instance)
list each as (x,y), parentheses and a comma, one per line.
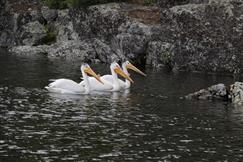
(187,35)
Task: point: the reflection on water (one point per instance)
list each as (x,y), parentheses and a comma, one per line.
(148,123)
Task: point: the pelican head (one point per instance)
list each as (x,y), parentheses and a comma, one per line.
(87,69)
(117,69)
(129,65)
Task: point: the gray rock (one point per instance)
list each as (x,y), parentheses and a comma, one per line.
(72,50)
(202,36)
(49,14)
(218,91)
(104,20)
(236,93)
(29,50)
(159,54)
(103,51)
(69,50)
(6,25)
(134,37)
(33,33)
(64,27)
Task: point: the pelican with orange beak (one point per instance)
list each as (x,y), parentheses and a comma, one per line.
(113,83)
(67,86)
(127,83)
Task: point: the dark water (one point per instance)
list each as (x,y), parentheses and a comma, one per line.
(149,123)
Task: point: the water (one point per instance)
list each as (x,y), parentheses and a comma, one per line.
(149,123)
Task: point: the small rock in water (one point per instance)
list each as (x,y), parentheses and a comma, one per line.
(218,91)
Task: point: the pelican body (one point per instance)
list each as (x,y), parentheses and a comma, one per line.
(111,84)
(67,86)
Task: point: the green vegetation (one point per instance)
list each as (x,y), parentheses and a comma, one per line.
(165,57)
(57,4)
(50,37)
(149,2)
(62,4)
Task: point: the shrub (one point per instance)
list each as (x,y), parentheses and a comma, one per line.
(149,2)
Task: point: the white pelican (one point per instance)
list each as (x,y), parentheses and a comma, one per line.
(70,87)
(125,66)
(109,85)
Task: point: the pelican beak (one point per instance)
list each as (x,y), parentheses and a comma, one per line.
(132,67)
(89,71)
(121,73)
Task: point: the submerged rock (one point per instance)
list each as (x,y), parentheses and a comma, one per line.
(218,91)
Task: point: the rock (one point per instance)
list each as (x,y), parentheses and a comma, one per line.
(73,50)
(33,33)
(159,54)
(134,37)
(17,21)
(105,20)
(126,38)
(69,50)
(218,91)
(236,93)
(29,50)
(49,15)
(64,27)
(103,51)
(6,25)
(2,7)
(202,35)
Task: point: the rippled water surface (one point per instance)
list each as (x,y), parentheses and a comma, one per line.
(148,123)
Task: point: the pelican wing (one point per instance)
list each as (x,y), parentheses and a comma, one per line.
(65,86)
(97,86)
(122,83)
(109,78)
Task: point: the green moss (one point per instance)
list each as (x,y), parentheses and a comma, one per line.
(149,2)
(50,37)
(165,57)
